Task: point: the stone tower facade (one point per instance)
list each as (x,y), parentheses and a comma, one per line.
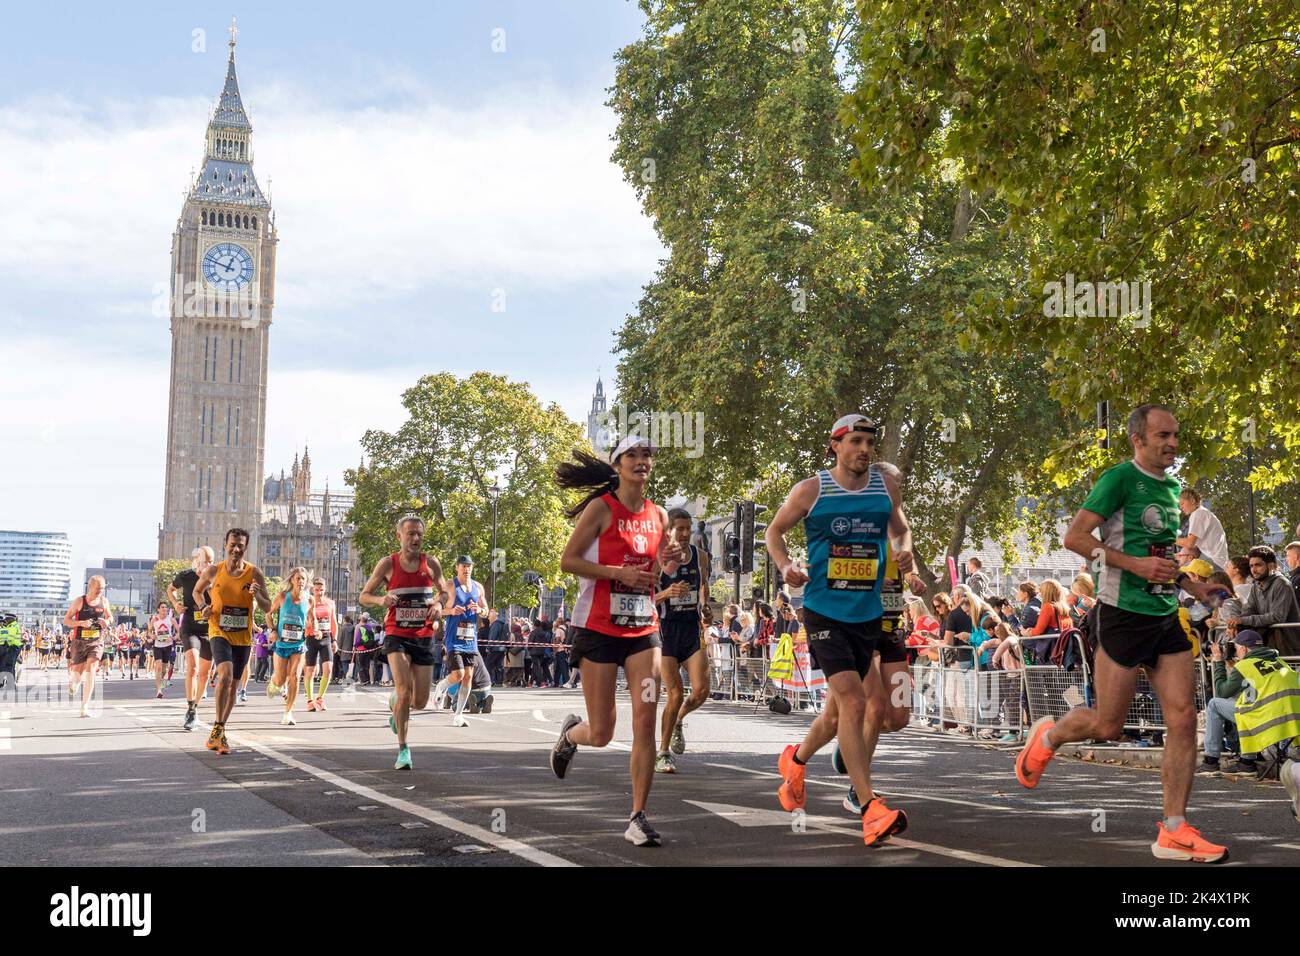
(223,290)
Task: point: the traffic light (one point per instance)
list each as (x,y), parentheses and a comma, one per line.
(731,556)
(747,531)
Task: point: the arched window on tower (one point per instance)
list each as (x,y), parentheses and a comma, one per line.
(254,222)
(205,217)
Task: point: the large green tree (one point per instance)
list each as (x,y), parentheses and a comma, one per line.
(791,295)
(164,573)
(461,434)
(1127,141)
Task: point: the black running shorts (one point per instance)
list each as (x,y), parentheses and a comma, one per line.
(892,647)
(418,649)
(836,646)
(319,651)
(605,648)
(458,661)
(1131,639)
(681,639)
(166,655)
(234,654)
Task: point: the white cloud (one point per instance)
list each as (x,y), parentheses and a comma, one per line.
(387,202)
(375,202)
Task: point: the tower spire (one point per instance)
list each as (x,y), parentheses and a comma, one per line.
(234,33)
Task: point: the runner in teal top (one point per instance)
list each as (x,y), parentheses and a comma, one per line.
(292,614)
(848,537)
(853,515)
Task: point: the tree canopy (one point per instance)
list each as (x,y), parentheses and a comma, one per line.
(461,435)
(791,294)
(1140,141)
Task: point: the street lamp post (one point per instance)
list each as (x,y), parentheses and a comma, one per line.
(1250,466)
(347,587)
(494,493)
(130,594)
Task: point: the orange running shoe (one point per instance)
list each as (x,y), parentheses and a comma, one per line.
(791,792)
(223,745)
(213,739)
(1033,757)
(879,822)
(1186,844)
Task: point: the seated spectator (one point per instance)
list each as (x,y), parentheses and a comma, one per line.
(1271,601)
(1272,721)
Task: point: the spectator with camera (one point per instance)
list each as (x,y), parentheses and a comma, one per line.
(1265,711)
(1221,709)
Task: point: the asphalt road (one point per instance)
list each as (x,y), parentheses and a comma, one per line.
(130,787)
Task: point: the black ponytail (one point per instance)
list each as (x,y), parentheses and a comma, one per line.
(587,473)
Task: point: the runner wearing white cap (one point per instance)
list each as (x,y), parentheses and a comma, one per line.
(853,518)
(618,549)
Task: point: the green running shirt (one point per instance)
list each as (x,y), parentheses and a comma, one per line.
(1141,518)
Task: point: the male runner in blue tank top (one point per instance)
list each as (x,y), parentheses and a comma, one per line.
(465,601)
(852,515)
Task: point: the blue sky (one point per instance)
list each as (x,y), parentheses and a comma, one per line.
(414,172)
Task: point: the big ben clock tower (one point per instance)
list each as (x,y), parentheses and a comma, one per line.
(223,289)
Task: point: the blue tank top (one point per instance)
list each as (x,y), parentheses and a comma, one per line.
(462,629)
(292,623)
(848,538)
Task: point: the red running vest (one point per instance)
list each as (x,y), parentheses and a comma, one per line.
(611,607)
(414,590)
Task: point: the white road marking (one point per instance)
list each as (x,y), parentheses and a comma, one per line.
(755,817)
(911,796)
(515,847)
(555,733)
(539,716)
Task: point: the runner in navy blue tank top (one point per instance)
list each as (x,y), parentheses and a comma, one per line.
(680,597)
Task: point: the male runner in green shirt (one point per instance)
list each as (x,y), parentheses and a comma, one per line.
(1135,504)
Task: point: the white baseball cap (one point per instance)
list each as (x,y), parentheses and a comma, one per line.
(631,441)
(852,423)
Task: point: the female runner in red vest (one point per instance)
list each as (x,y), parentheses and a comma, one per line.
(618,549)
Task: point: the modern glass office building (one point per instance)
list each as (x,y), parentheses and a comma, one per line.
(35,574)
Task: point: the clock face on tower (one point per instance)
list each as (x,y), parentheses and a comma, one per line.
(228,267)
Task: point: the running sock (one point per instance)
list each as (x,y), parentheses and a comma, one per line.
(1046,740)
(441,689)
(1173,823)
(463,697)
(324,683)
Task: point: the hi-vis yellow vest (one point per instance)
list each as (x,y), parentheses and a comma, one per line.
(782,666)
(1274,715)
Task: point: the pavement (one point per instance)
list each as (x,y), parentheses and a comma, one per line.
(131,787)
